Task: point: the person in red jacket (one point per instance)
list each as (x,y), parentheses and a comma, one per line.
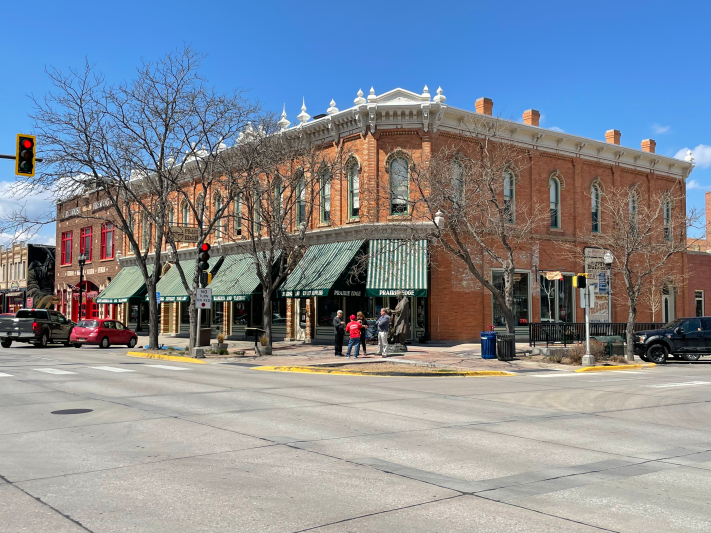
(353,330)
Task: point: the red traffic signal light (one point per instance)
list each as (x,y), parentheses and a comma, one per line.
(204,247)
(204,256)
(25,155)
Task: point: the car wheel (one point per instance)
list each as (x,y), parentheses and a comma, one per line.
(43,341)
(132,342)
(643,357)
(691,356)
(6,343)
(657,353)
(77,345)
(104,343)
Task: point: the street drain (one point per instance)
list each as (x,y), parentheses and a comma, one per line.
(72,411)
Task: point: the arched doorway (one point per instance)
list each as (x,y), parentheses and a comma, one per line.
(89,309)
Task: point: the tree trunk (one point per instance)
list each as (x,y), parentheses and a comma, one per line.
(630,332)
(153,320)
(509,298)
(267,321)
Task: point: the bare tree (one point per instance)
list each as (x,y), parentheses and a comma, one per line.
(137,142)
(467,191)
(646,234)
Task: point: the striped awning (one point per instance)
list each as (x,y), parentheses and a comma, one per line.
(323,271)
(127,284)
(237,279)
(170,285)
(394,266)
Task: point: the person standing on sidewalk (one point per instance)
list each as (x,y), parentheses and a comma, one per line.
(340,331)
(364,321)
(353,329)
(383,325)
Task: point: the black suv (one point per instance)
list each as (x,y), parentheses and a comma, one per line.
(685,338)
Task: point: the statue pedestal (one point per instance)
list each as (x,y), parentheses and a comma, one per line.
(395,349)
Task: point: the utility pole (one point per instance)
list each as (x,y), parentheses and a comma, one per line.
(581,282)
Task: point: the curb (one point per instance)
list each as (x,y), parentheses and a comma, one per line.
(615,367)
(167,357)
(312,370)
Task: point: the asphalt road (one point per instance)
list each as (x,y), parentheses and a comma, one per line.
(170,447)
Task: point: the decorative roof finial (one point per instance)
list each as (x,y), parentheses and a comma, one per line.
(689,157)
(440,98)
(426,93)
(333,109)
(359,99)
(371,96)
(303,116)
(283,122)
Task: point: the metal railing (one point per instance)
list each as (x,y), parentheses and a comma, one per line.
(572,332)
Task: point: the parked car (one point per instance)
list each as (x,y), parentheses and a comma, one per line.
(37,326)
(685,338)
(103,332)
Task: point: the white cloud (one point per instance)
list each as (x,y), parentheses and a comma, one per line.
(542,118)
(702,155)
(556,128)
(659,129)
(693,184)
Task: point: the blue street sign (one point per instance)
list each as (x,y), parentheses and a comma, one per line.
(158,298)
(602,283)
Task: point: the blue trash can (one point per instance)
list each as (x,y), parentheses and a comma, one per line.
(488,344)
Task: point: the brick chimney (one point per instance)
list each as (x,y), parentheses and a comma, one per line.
(531,117)
(484,106)
(613,136)
(649,145)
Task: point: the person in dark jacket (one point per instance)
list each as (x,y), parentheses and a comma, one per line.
(364,321)
(340,328)
(383,326)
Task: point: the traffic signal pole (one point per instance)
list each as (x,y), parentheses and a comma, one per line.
(588,358)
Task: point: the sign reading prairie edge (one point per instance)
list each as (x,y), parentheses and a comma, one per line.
(184,234)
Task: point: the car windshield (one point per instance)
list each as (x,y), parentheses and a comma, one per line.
(674,323)
(88,324)
(32,313)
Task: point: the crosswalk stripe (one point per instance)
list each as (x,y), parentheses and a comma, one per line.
(168,367)
(112,369)
(5,375)
(687,384)
(53,371)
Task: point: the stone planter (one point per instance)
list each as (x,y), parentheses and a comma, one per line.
(219,345)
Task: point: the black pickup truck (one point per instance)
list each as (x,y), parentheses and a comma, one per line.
(37,326)
(683,338)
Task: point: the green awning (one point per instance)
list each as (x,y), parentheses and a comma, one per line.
(237,279)
(170,285)
(323,271)
(395,265)
(127,284)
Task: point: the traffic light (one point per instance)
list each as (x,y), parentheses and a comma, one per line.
(204,256)
(580,281)
(25,155)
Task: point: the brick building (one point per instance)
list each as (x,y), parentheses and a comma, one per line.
(84,227)
(699,266)
(383,134)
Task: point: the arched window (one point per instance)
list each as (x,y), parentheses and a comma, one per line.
(325,196)
(301,201)
(219,230)
(170,214)
(354,190)
(667,220)
(595,199)
(555,202)
(633,211)
(238,215)
(145,233)
(184,214)
(200,208)
(509,196)
(399,186)
(457,183)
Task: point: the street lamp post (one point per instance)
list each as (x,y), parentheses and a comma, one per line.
(82,262)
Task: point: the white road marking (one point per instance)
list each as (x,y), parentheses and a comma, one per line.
(687,384)
(169,367)
(5,375)
(112,369)
(554,375)
(53,371)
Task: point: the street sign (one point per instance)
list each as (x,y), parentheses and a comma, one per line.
(203,299)
(158,298)
(184,234)
(30,301)
(602,283)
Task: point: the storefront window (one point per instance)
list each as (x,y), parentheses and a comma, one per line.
(421,306)
(279,312)
(133,315)
(328,306)
(239,313)
(217,314)
(257,308)
(184,312)
(521,298)
(557,299)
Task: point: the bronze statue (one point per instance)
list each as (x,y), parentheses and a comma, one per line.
(400,321)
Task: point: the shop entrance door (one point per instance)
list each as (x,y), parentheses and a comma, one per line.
(667,304)
(300,323)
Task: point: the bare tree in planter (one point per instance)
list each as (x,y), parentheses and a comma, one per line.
(646,234)
(129,140)
(467,191)
(285,183)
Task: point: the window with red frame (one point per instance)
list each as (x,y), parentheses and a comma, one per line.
(107,241)
(67,248)
(85,243)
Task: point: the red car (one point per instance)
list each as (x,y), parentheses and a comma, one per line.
(103,332)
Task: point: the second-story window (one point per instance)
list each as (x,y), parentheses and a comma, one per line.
(67,248)
(595,204)
(555,202)
(633,212)
(85,243)
(107,241)
(184,214)
(399,186)
(509,197)
(325,197)
(170,214)
(219,230)
(238,215)
(667,220)
(353,190)
(145,233)
(301,202)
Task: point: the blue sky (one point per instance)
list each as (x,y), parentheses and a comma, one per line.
(640,67)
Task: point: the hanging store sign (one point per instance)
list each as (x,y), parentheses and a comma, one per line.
(184,234)
(550,276)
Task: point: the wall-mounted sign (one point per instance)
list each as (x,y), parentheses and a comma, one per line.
(184,234)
